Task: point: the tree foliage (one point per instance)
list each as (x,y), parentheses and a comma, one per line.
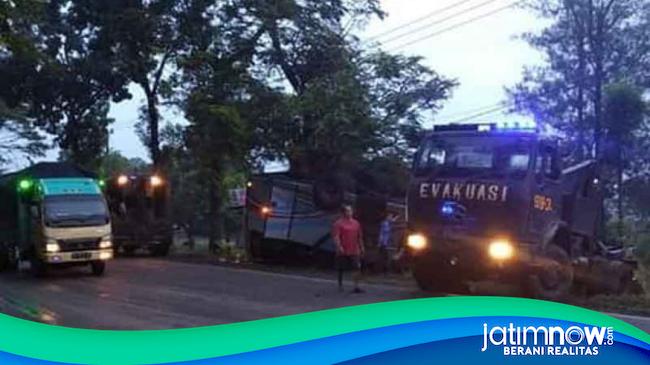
(591,86)
(588,45)
(149,37)
(624,118)
(56,68)
(256,81)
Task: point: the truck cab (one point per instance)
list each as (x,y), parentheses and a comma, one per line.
(70,224)
(486,202)
(52,221)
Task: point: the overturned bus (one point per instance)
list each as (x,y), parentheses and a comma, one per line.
(291,219)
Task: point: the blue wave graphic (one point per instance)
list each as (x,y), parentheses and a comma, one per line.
(456,341)
(468,331)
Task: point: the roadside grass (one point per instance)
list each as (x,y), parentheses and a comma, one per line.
(634,304)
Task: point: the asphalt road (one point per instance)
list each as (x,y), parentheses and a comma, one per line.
(147,293)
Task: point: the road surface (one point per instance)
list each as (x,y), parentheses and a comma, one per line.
(147,293)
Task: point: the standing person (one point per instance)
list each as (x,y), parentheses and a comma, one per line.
(385,238)
(348,239)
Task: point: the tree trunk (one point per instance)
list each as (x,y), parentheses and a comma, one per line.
(620,195)
(154,120)
(215,205)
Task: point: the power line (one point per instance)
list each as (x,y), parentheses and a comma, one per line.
(415,21)
(439,21)
(470,111)
(455,26)
(482,114)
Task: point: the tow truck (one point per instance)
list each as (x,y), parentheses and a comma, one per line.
(53,215)
(492,202)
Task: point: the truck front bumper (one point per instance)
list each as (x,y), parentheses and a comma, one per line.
(78,256)
(471,259)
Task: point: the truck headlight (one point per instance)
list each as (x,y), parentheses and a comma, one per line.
(417,241)
(501,250)
(52,247)
(105,243)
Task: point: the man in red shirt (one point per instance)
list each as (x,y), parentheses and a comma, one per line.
(348,239)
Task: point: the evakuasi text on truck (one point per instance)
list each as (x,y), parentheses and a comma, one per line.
(488,203)
(53,215)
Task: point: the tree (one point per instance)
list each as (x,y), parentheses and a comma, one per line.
(402,92)
(114,163)
(590,43)
(17,135)
(57,69)
(344,106)
(216,138)
(150,36)
(624,112)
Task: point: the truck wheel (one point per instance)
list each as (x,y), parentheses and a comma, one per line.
(128,250)
(626,283)
(5,261)
(161,249)
(38,267)
(438,277)
(98,267)
(555,280)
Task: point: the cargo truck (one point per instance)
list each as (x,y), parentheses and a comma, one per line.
(492,202)
(140,210)
(53,215)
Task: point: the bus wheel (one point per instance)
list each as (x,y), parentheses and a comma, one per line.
(98,267)
(555,280)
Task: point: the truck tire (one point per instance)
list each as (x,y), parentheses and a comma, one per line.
(38,267)
(438,277)
(5,261)
(128,250)
(161,250)
(625,283)
(555,279)
(98,268)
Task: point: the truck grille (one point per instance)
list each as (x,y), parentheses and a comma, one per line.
(78,245)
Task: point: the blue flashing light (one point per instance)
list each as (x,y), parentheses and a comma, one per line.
(447,209)
(525,126)
(488,127)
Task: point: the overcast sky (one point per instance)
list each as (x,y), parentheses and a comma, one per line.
(483,56)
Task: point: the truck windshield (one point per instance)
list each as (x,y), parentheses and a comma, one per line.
(75,210)
(474,156)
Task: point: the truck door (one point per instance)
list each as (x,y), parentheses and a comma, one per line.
(546,193)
